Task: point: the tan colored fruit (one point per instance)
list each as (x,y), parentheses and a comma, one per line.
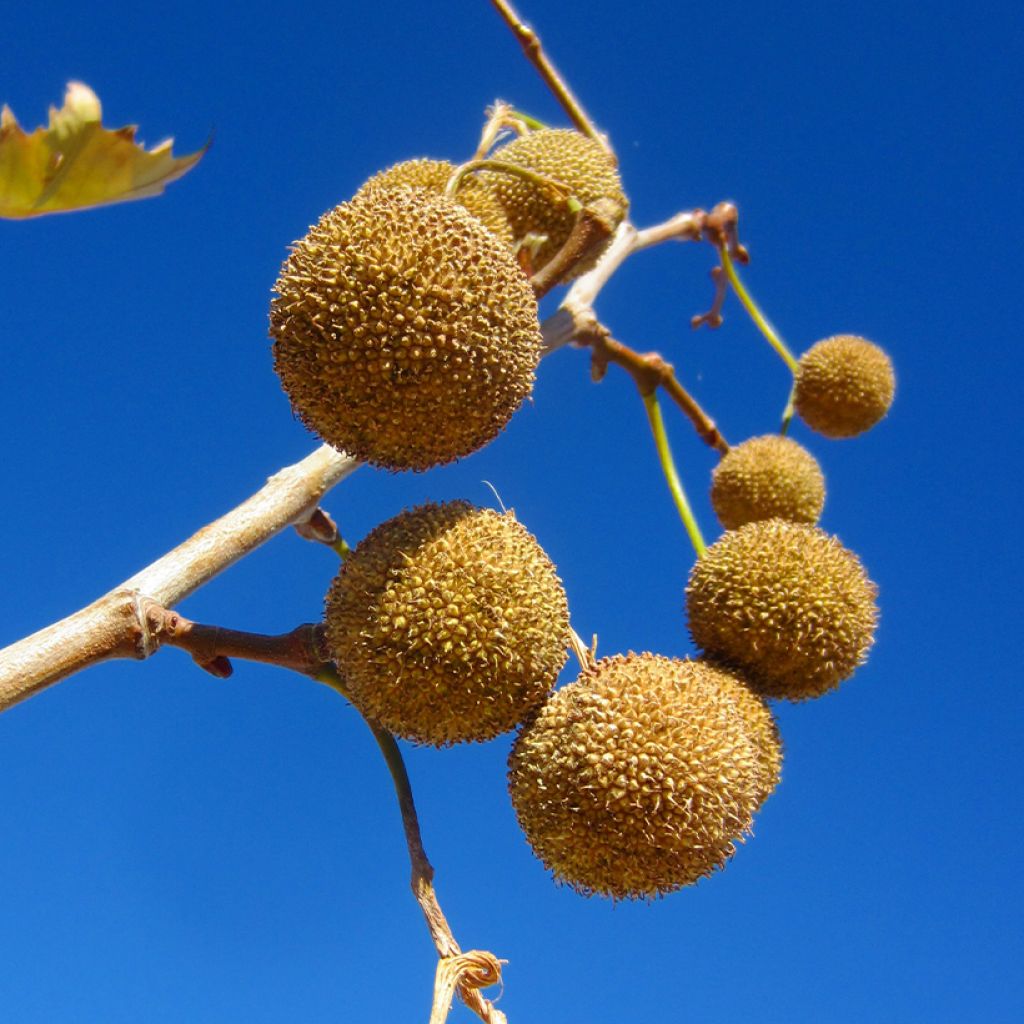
(762,729)
(638,778)
(765,478)
(784,603)
(404,332)
(432,176)
(569,157)
(448,623)
(844,386)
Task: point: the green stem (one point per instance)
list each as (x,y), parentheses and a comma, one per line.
(341,548)
(755,313)
(562,192)
(668,467)
(787,413)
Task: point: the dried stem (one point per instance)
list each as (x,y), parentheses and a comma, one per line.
(212,647)
(422,879)
(650,371)
(534,51)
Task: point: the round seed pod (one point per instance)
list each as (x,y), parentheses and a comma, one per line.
(844,386)
(448,623)
(764,478)
(784,603)
(432,176)
(404,332)
(638,778)
(762,729)
(569,157)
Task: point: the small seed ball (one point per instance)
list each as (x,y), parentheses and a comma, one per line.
(569,157)
(784,603)
(844,386)
(764,478)
(432,176)
(448,623)
(638,778)
(404,332)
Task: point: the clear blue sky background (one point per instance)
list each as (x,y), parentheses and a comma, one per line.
(177,848)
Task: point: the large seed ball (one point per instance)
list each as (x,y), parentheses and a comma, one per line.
(432,176)
(762,729)
(404,332)
(844,386)
(569,157)
(764,478)
(636,779)
(448,623)
(786,604)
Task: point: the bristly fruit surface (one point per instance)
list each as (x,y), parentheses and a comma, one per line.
(638,778)
(404,332)
(448,623)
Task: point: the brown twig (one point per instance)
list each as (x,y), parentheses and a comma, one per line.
(212,647)
(649,371)
(534,51)
(422,877)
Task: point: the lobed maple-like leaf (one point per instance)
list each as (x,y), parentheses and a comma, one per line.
(76,163)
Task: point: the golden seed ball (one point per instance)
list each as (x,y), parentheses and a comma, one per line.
(767,477)
(448,623)
(762,729)
(432,176)
(844,386)
(636,779)
(569,157)
(784,603)
(404,332)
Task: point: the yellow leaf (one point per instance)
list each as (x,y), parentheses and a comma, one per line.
(76,163)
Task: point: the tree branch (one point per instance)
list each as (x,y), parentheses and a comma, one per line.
(114,625)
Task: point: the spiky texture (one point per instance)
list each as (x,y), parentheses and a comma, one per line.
(404,332)
(784,603)
(432,176)
(764,478)
(762,730)
(448,623)
(567,156)
(844,386)
(636,779)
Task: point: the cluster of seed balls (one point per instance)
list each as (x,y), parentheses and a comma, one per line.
(405,332)
(405,328)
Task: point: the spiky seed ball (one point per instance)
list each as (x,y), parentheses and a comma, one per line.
(432,176)
(784,603)
(569,157)
(636,779)
(844,386)
(404,332)
(448,623)
(761,727)
(767,477)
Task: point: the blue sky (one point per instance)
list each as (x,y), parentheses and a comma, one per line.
(176,848)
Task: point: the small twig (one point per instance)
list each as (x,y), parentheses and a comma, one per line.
(422,879)
(650,371)
(212,647)
(586,656)
(531,44)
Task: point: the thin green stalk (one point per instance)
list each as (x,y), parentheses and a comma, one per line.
(787,413)
(668,467)
(341,548)
(755,313)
